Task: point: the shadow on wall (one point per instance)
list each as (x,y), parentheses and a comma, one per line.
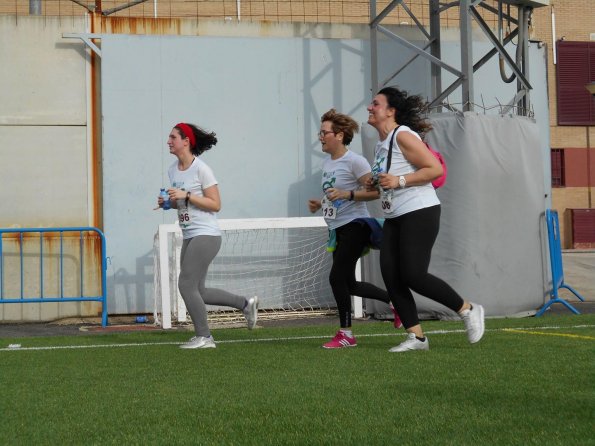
(136,289)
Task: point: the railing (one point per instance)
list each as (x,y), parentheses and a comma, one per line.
(553,231)
(27,277)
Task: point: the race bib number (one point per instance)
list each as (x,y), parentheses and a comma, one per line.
(386,201)
(328,209)
(184,216)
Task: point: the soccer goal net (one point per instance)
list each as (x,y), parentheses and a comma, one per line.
(283,261)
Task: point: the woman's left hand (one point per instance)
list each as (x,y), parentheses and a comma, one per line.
(337,194)
(388,181)
(176,194)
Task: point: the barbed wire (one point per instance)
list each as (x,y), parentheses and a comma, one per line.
(503,109)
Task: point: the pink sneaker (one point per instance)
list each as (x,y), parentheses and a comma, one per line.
(397,322)
(340,341)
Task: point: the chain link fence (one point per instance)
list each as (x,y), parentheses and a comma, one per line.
(304,11)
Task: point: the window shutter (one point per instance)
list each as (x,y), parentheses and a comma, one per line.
(575,69)
(557,156)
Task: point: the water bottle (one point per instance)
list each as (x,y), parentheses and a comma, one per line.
(337,202)
(166,204)
(375,176)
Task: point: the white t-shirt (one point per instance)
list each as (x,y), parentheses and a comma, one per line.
(343,173)
(411,198)
(196,179)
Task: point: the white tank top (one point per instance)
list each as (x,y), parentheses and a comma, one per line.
(410,198)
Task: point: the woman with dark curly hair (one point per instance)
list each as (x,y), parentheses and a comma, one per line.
(195,195)
(344,174)
(411,208)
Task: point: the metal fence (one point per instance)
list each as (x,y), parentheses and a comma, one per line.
(304,11)
(553,231)
(42,265)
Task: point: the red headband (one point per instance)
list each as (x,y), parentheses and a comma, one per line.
(188,132)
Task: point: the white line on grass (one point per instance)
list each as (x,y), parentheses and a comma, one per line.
(541,333)
(18,347)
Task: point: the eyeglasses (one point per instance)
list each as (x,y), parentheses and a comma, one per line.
(323,133)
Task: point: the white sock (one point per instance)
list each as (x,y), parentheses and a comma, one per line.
(347,332)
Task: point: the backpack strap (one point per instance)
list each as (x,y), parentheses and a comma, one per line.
(390,148)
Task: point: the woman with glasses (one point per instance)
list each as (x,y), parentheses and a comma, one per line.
(195,195)
(412,215)
(344,174)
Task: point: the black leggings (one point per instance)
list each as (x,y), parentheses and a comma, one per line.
(352,239)
(404,260)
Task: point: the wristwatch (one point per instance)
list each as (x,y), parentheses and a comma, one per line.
(402,181)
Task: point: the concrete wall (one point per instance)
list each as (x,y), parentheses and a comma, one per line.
(43,124)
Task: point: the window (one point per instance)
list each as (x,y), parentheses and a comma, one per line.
(574,70)
(557,167)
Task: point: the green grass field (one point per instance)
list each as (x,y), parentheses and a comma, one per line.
(529,382)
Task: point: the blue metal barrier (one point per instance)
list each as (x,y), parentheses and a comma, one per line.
(553,231)
(60,280)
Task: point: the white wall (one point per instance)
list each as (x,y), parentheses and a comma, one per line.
(262,96)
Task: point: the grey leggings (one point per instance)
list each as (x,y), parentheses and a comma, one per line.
(196,256)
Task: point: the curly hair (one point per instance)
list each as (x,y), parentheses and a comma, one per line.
(341,123)
(409,109)
(204,140)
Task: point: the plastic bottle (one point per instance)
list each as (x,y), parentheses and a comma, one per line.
(166,204)
(375,176)
(337,202)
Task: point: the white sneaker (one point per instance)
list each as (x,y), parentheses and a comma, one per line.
(200,342)
(412,343)
(474,322)
(251,312)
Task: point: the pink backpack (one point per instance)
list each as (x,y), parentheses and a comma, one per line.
(438,182)
(441,180)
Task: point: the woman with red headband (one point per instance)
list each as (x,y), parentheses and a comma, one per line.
(195,195)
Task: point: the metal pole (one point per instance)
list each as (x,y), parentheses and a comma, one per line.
(435,48)
(523,25)
(373,48)
(466,54)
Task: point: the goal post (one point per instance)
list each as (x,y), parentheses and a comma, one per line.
(281,260)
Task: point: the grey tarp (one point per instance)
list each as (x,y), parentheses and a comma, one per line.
(491,247)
